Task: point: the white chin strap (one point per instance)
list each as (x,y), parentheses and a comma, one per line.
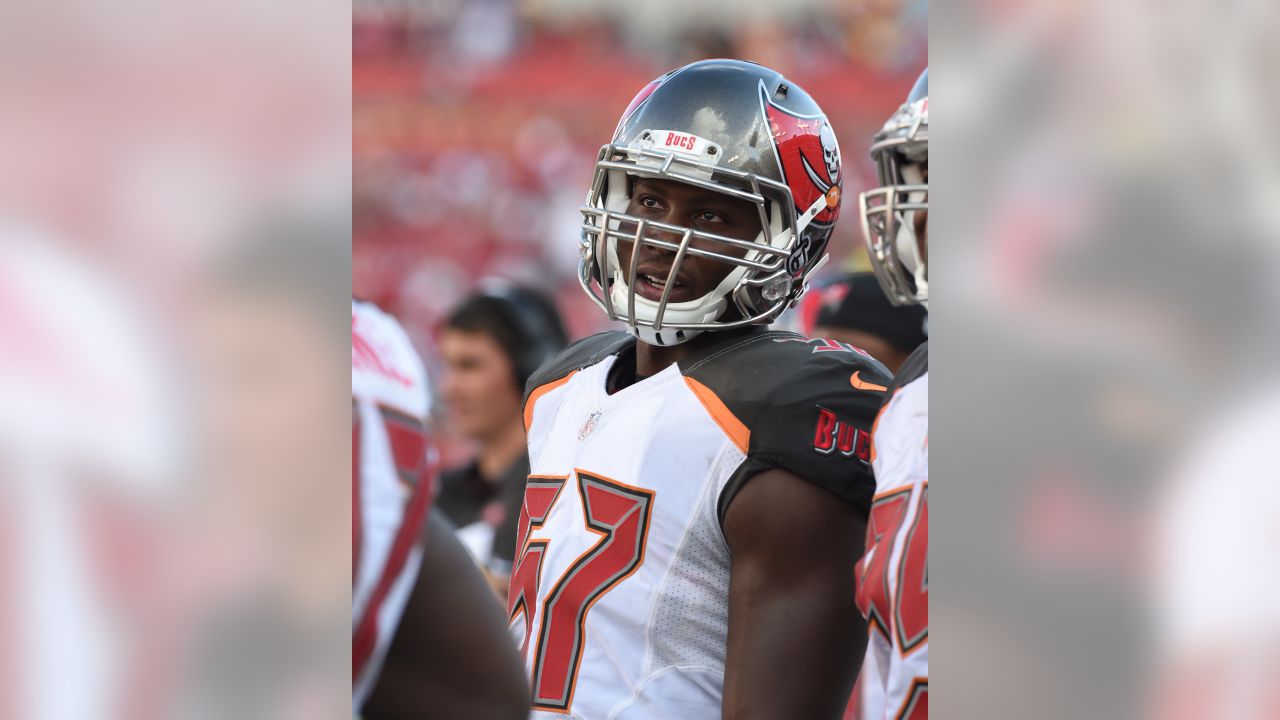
(704,310)
(906,243)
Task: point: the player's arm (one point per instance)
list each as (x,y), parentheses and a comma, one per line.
(796,639)
(452,656)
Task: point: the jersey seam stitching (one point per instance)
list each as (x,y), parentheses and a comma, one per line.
(635,694)
(771,335)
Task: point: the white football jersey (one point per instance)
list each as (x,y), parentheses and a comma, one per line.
(390,488)
(893,575)
(620,593)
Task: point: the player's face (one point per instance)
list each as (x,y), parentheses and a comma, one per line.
(684,205)
(480,395)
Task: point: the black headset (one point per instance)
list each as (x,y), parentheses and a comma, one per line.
(539,334)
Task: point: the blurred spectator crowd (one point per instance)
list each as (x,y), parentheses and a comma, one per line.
(475,125)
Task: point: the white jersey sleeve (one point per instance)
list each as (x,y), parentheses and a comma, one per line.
(390,487)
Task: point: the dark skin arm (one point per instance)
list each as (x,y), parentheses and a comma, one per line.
(452,656)
(796,639)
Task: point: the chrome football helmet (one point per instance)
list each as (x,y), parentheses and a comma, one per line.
(736,128)
(901,154)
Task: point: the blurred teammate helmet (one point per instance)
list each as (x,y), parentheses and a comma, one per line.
(901,154)
(733,127)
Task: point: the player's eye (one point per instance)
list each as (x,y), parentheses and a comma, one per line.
(649,201)
(708,216)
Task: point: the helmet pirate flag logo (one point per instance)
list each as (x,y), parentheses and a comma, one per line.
(806,147)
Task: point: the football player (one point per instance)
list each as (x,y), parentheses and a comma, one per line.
(427,636)
(675,554)
(893,587)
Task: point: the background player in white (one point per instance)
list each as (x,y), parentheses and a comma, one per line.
(893,592)
(427,636)
(676,555)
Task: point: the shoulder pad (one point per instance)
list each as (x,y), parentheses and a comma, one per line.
(579,354)
(808,405)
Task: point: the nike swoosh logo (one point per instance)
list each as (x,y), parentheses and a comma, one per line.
(858,383)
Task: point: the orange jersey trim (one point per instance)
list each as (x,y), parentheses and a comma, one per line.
(728,422)
(539,392)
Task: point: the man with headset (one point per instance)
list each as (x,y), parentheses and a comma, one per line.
(490,345)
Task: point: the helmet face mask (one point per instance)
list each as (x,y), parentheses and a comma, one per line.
(890,212)
(767,274)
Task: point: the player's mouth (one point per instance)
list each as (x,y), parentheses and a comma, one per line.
(650,285)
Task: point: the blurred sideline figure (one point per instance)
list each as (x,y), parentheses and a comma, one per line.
(893,586)
(427,636)
(854,310)
(699,483)
(491,344)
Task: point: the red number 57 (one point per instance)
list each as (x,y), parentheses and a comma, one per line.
(619,514)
